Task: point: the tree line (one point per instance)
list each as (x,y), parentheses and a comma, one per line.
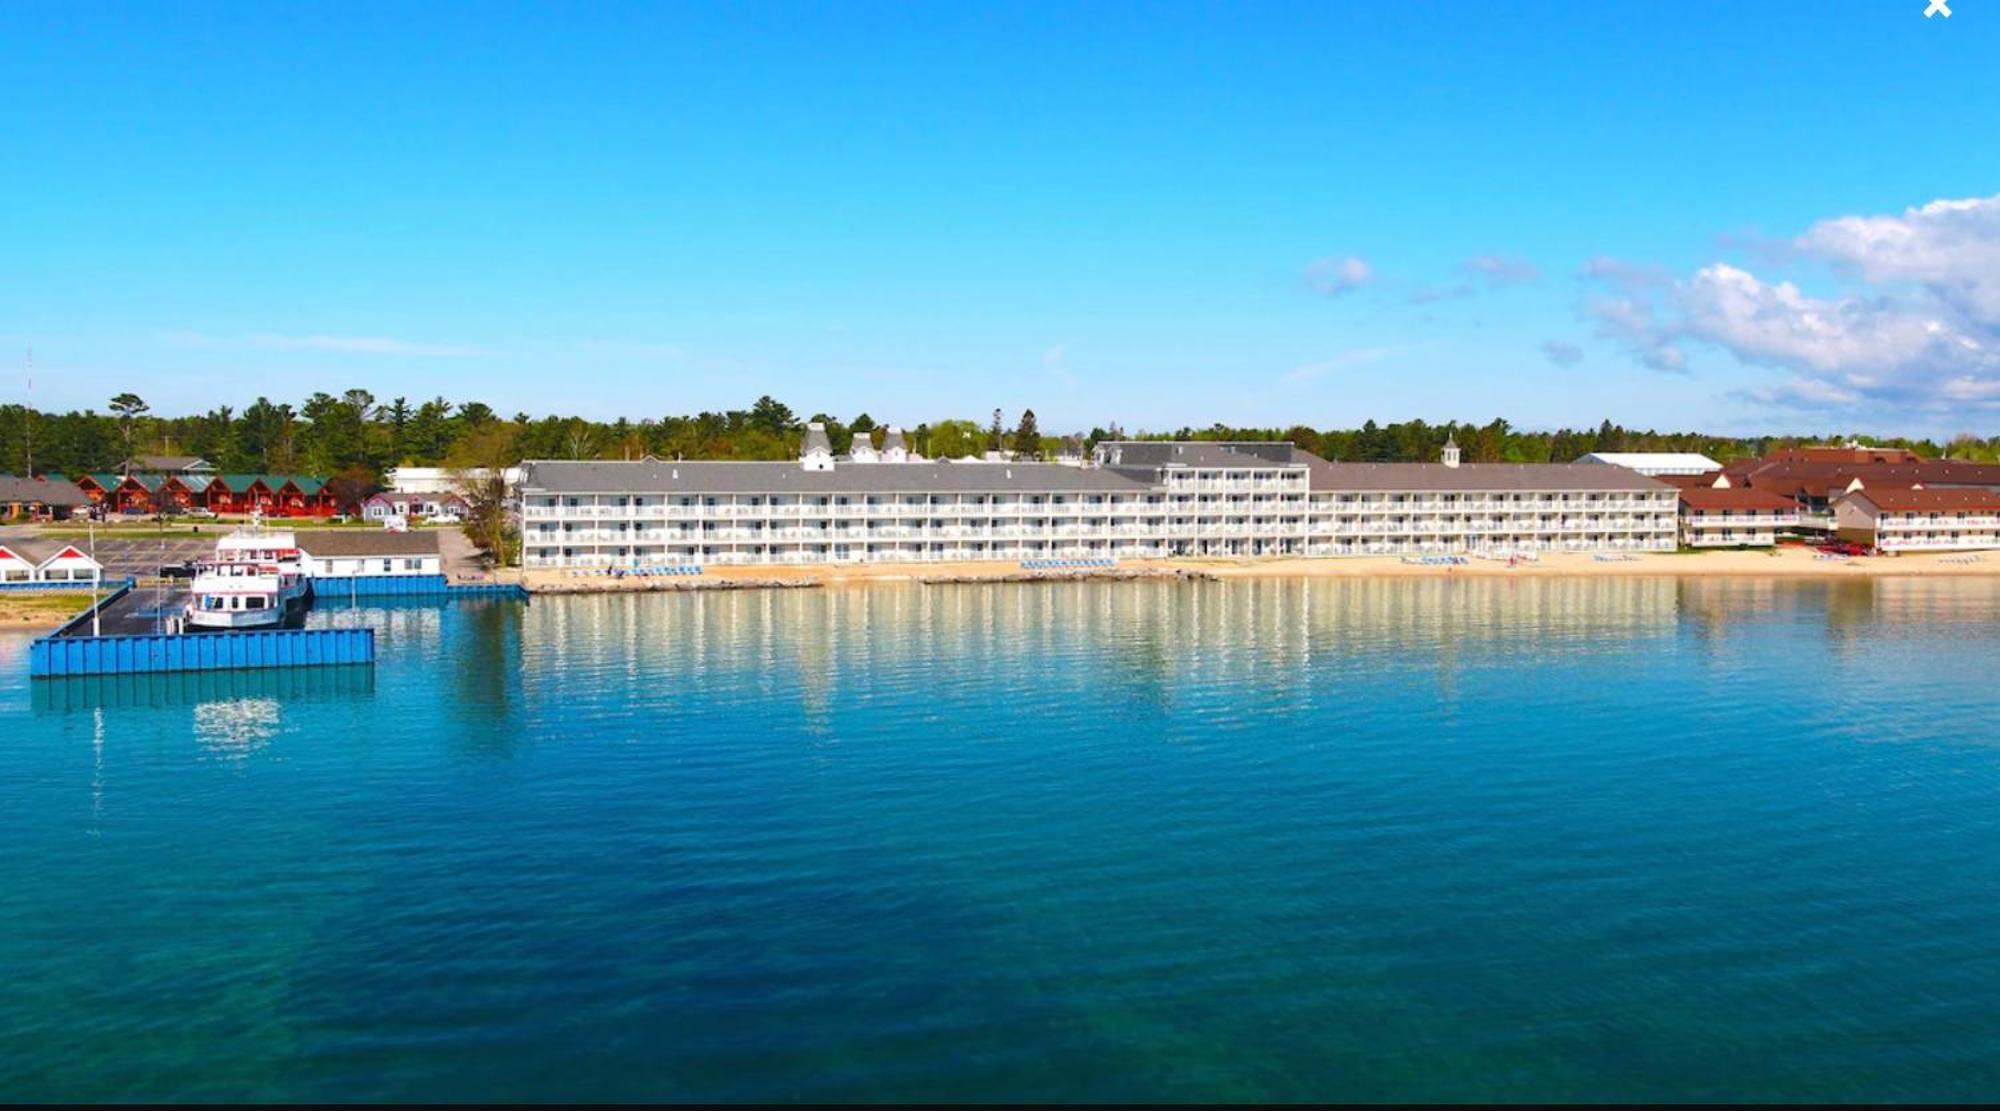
(357,437)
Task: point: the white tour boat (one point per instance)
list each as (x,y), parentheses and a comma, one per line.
(257,580)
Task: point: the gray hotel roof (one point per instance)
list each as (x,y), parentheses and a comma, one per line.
(48,491)
(326,543)
(1475,477)
(648,477)
(562,477)
(1199,453)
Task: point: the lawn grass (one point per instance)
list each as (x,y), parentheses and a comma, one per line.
(32,607)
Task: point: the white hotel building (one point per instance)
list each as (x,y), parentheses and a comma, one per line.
(1135,499)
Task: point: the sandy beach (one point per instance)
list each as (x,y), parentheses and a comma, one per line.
(1781,562)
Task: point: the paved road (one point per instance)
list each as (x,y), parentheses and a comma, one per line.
(142,611)
(460,559)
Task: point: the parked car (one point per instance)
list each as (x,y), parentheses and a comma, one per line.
(182,570)
(200,511)
(446,519)
(338,519)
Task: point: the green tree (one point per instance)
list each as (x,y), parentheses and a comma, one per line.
(1027,437)
(128,407)
(772,416)
(952,439)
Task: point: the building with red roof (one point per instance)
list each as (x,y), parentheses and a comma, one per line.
(1731,517)
(1908,519)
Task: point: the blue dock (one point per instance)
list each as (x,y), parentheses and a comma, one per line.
(125,633)
(55,657)
(136,645)
(351,587)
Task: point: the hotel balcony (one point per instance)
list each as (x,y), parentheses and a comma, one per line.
(1974,542)
(1932,524)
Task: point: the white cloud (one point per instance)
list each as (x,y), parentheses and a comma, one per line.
(1631,277)
(1950,247)
(1334,275)
(1499,270)
(1916,327)
(1775,323)
(1632,321)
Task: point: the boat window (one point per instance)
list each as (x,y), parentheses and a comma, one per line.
(254,602)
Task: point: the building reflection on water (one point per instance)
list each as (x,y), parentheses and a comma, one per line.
(1268,643)
(1150,635)
(1848,614)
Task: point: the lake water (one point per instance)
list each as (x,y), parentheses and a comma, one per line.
(1409,840)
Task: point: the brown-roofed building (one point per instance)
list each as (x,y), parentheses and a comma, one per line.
(1849,454)
(1816,477)
(1731,517)
(1909,519)
(344,552)
(168,464)
(41,498)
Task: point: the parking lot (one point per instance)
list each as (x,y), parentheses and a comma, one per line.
(143,558)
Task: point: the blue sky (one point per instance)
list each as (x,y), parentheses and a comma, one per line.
(1155,214)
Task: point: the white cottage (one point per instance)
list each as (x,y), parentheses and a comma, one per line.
(344,552)
(46,561)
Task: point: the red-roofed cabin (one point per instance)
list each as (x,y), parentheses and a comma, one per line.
(272,495)
(97,487)
(237,494)
(304,497)
(151,493)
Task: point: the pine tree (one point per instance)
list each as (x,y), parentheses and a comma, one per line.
(1027,438)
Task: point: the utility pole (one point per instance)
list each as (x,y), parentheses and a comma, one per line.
(28,367)
(96,582)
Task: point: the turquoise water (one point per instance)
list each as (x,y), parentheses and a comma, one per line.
(1423,840)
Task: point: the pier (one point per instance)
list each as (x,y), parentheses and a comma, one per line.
(126,634)
(337,588)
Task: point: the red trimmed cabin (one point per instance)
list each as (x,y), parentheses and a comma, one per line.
(273,495)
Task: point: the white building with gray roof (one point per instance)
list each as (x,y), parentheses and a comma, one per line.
(1133,499)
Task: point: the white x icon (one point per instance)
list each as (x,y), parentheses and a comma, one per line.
(1938,7)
